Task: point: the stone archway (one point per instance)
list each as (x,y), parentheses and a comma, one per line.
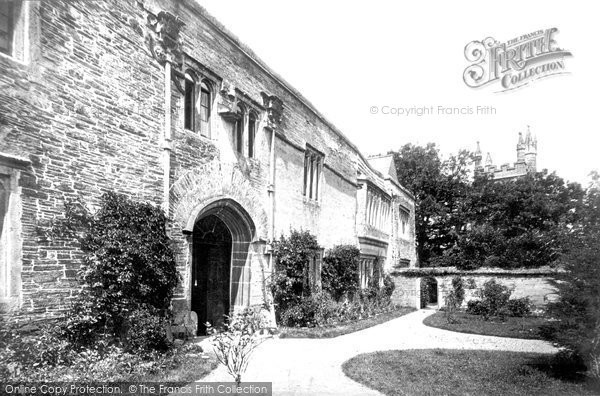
(220,270)
(429,292)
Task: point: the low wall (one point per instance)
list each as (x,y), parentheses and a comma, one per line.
(537,284)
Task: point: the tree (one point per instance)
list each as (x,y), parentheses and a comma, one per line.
(578,308)
(440,187)
(515,223)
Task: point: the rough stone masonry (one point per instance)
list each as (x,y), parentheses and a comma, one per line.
(158,101)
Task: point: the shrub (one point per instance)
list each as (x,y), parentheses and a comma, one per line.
(146,332)
(476,307)
(319,309)
(340,271)
(494,298)
(127,262)
(290,281)
(519,307)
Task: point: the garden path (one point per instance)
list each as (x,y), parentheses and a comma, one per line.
(313,366)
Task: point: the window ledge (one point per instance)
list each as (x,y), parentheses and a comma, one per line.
(12,59)
(310,201)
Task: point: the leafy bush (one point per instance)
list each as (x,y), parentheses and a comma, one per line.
(495,301)
(316,310)
(494,297)
(146,332)
(289,282)
(519,307)
(127,262)
(340,271)
(476,307)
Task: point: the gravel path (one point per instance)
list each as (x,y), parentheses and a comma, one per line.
(313,366)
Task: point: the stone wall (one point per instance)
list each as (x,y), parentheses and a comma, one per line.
(86,111)
(536,284)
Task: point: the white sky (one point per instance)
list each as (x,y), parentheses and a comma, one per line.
(346,56)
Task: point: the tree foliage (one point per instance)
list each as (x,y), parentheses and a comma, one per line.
(516,223)
(440,188)
(507,223)
(578,309)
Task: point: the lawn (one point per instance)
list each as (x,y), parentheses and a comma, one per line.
(527,327)
(459,372)
(344,328)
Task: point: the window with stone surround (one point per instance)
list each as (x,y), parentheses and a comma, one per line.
(365,271)
(197,104)
(189,101)
(14,27)
(378,210)
(404,216)
(205,108)
(238,129)
(251,133)
(313,165)
(10,232)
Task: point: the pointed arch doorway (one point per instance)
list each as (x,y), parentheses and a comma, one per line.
(220,273)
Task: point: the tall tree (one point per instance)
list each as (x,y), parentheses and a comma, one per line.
(440,187)
(517,222)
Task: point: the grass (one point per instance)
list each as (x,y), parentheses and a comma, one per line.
(526,327)
(183,366)
(458,372)
(344,328)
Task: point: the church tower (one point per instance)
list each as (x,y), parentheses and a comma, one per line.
(530,151)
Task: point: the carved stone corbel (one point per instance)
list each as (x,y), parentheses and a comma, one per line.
(162,36)
(274,107)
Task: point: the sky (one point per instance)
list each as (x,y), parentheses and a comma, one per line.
(355,61)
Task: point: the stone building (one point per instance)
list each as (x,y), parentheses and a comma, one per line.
(158,101)
(526,160)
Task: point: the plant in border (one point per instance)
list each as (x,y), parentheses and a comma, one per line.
(235,344)
(454,299)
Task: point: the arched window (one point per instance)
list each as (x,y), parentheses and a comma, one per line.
(205,102)
(239,129)
(189,101)
(251,134)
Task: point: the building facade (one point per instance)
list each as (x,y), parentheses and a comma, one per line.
(156,100)
(526,160)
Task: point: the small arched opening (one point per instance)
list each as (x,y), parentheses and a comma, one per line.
(429,292)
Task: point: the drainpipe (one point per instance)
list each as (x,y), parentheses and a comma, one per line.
(272,189)
(166,154)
